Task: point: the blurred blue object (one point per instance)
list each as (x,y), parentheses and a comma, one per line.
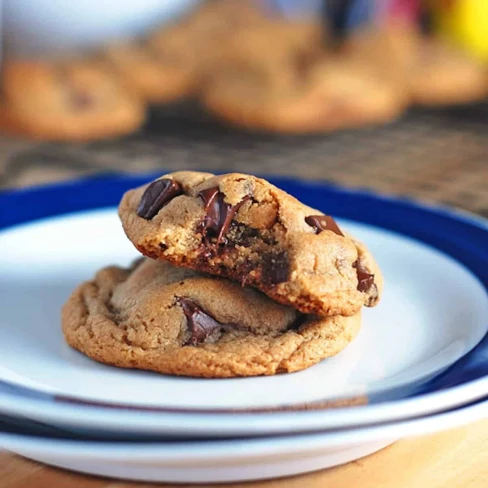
(294,8)
(346,15)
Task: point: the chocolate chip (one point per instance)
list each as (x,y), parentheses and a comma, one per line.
(219,214)
(365,278)
(156,196)
(200,323)
(212,207)
(323,222)
(276,268)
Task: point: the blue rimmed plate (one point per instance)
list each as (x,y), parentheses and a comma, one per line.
(424,349)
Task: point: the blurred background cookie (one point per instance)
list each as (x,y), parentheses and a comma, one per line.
(440,73)
(305,76)
(72,100)
(158,73)
(303,95)
(272,65)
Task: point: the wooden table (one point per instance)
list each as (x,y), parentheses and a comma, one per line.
(438,156)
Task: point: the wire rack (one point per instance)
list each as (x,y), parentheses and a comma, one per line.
(439,156)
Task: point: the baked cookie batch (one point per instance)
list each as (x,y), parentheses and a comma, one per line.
(248,65)
(238,279)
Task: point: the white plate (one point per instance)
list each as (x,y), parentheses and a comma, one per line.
(230,460)
(414,333)
(432,315)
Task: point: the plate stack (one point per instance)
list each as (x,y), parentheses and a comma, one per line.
(418,365)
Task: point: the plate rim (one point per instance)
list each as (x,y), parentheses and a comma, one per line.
(285,444)
(145,177)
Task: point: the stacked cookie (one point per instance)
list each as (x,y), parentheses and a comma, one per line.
(249,65)
(239,279)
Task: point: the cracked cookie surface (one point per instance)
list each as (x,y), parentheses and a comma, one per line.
(158,317)
(243,228)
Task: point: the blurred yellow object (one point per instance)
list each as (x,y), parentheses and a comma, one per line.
(466,22)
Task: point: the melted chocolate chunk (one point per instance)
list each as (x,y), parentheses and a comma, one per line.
(212,207)
(219,214)
(276,268)
(365,279)
(156,196)
(323,222)
(200,323)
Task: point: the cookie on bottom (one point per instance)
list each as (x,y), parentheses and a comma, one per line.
(176,321)
(77,100)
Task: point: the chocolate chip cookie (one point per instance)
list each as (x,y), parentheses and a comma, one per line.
(157,75)
(298,86)
(188,49)
(434,72)
(72,100)
(243,228)
(442,74)
(172,320)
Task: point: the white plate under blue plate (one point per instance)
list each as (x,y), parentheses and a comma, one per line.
(225,460)
(424,349)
